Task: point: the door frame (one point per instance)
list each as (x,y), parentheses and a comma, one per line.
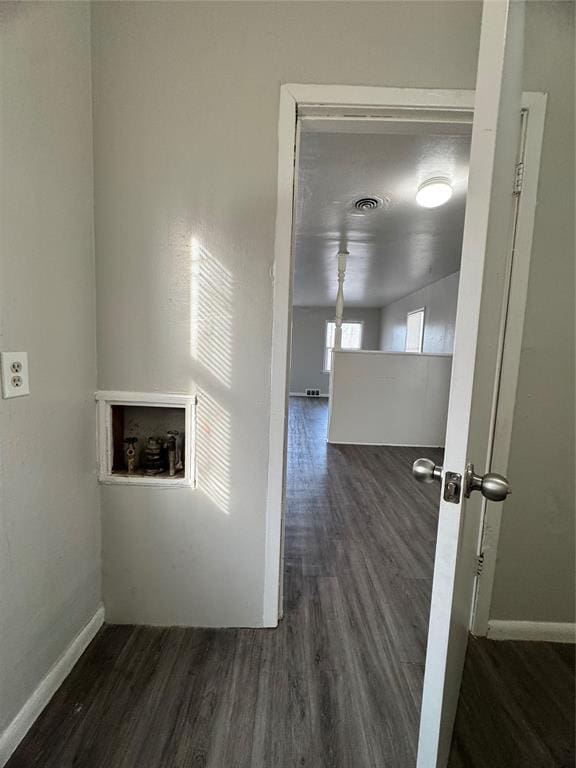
(397,104)
(510,349)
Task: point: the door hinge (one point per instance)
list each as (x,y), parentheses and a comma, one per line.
(480,564)
(518,178)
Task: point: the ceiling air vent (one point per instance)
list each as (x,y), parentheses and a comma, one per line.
(367,203)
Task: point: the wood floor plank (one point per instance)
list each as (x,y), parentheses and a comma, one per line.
(516,707)
(338,684)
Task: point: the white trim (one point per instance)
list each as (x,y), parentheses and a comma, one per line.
(543,631)
(385,123)
(40,697)
(281,312)
(106,399)
(160,399)
(535,104)
(422,311)
(417,102)
(310,397)
(383,445)
(400,352)
(317,115)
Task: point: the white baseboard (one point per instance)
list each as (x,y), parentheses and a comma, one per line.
(303,394)
(381,445)
(31,710)
(549,631)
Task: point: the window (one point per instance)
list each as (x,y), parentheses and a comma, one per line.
(415,330)
(351,339)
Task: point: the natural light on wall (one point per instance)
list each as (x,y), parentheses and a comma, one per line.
(213,451)
(351,339)
(211,295)
(415,330)
(211,314)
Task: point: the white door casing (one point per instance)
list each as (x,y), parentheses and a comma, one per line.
(395,104)
(512,327)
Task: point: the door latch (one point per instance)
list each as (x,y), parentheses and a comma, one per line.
(425,471)
(492,486)
(452,487)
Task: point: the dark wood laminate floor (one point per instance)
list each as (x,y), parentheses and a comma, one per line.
(337,685)
(516,707)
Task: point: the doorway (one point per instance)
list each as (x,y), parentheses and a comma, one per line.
(352,108)
(359,533)
(345,103)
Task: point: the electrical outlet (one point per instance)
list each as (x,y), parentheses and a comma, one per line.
(15,382)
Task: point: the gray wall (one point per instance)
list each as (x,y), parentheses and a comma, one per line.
(167,79)
(535,576)
(308,339)
(440,300)
(186,102)
(179,88)
(49,516)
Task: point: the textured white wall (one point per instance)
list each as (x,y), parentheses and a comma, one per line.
(308,339)
(386,398)
(186,100)
(49,515)
(185,116)
(535,576)
(440,300)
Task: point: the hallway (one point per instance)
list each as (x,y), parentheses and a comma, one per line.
(337,684)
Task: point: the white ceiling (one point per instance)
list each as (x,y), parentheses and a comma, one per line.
(394,250)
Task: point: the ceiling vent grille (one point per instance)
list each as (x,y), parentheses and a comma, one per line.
(366,204)
(370,203)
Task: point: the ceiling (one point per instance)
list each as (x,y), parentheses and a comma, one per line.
(394,250)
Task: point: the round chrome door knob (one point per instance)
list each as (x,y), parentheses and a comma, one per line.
(492,486)
(495,487)
(425,471)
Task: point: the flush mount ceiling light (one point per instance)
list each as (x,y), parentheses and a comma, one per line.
(434,192)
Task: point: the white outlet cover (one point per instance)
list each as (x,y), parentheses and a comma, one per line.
(15,379)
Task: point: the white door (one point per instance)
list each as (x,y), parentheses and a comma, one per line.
(486,248)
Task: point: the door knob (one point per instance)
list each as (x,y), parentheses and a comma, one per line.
(492,486)
(425,471)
